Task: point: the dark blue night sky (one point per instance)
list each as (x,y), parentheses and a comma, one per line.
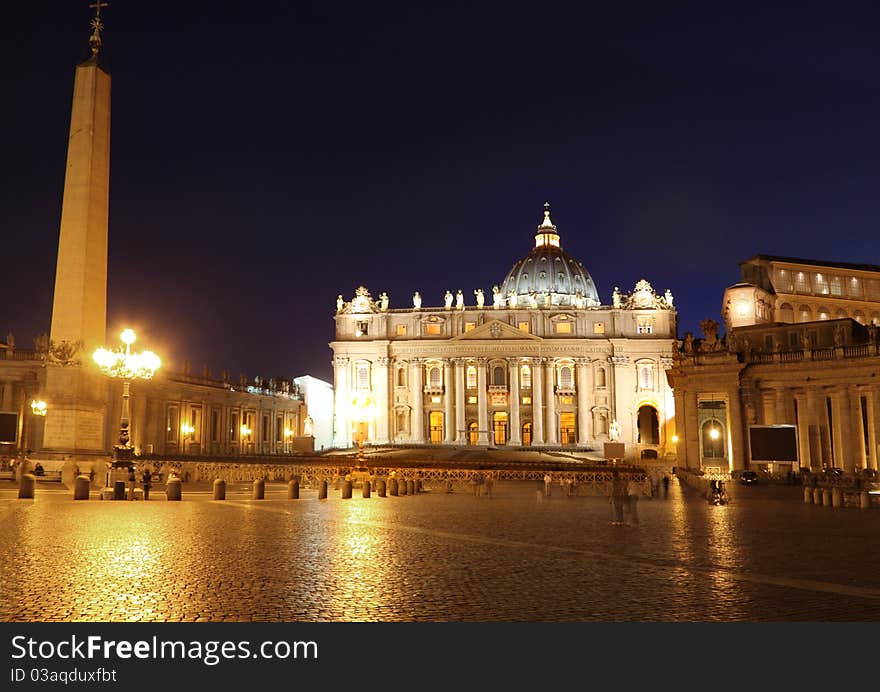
(268,156)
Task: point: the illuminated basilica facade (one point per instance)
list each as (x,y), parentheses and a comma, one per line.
(540,361)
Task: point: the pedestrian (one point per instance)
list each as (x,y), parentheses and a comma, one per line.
(490,483)
(632,502)
(547,481)
(131,481)
(618,495)
(665,485)
(146,481)
(478,484)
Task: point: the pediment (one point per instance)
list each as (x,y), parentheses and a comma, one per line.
(495,330)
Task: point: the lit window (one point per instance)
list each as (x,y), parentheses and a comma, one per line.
(524,327)
(836,286)
(821,284)
(469,325)
(855,288)
(527,400)
(471,377)
(565,380)
(563,327)
(525,376)
(436,399)
(434,377)
(433,329)
(566,400)
(645,325)
(742,308)
(361,329)
(646,377)
(401,330)
(472,400)
(598,328)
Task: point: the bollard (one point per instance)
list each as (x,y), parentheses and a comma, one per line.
(392,487)
(81,488)
(293,490)
(826,498)
(808,495)
(26,486)
(366,488)
(322,490)
(817,496)
(864,500)
(119,490)
(219,489)
(259,489)
(346,490)
(836,497)
(401,486)
(411,487)
(380,487)
(173,489)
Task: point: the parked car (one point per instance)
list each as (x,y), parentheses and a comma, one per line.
(748,478)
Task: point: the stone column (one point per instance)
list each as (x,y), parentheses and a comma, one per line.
(460,418)
(417,432)
(583,390)
(681,429)
(621,371)
(803,428)
(383,403)
(341,428)
(781,414)
(513,393)
(692,425)
(6,401)
(837,413)
(857,428)
(482,403)
(550,425)
(449,393)
(537,402)
(737,431)
(824,428)
(873,424)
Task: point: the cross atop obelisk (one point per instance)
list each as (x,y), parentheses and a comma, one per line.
(97,27)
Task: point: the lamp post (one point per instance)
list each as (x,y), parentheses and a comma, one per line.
(128,366)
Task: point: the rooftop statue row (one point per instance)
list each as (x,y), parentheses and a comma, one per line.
(642,297)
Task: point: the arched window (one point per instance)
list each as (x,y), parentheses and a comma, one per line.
(824,313)
(527,434)
(600,378)
(840,314)
(498,375)
(435,379)
(805,313)
(473,432)
(649,425)
(525,374)
(401,377)
(713,439)
(402,418)
(471,377)
(600,422)
(565,378)
(786,313)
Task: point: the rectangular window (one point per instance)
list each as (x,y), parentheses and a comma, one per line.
(820,282)
(171,424)
(363,376)
(836,286)
(472,400)
(234,428)
(215,425)
(783,281)
(794,340)
(768,343)
(432,329)
(645,326)
(525,377)
(469,325)
(527,401)
(598,328)
(563,327)
(265,428)
(362,329)
(855,288)
(524,327)
(401,330)
(279,429)
(566,400)
(801,283)
(872,289)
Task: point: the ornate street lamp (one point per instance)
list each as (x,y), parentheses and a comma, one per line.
(128,366)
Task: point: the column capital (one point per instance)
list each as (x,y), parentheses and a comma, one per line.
(480,360)
(460,361)
(537,360)
(340,361)
(618,360)
(416,361)
(583,362)
(383,361)
(666,363)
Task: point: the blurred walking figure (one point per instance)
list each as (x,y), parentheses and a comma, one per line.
(547,481)
(665,485)
(618,497)
(632,502)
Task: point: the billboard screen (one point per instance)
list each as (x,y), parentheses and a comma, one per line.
(773,443)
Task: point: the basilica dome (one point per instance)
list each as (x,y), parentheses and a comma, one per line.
(548,275)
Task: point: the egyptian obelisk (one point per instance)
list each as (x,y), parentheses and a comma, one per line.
(79,308)
(78,395)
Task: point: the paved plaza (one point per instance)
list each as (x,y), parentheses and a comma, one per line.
(435,556)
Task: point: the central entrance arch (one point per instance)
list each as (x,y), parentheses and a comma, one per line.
(648,425)
(499,427)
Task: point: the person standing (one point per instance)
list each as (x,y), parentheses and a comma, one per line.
(146,481)
(618,497)
(547,481)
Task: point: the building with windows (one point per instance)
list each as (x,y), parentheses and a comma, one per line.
(801,352)
(538,361)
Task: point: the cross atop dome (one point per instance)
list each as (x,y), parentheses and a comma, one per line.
(547,234)
(97,27)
